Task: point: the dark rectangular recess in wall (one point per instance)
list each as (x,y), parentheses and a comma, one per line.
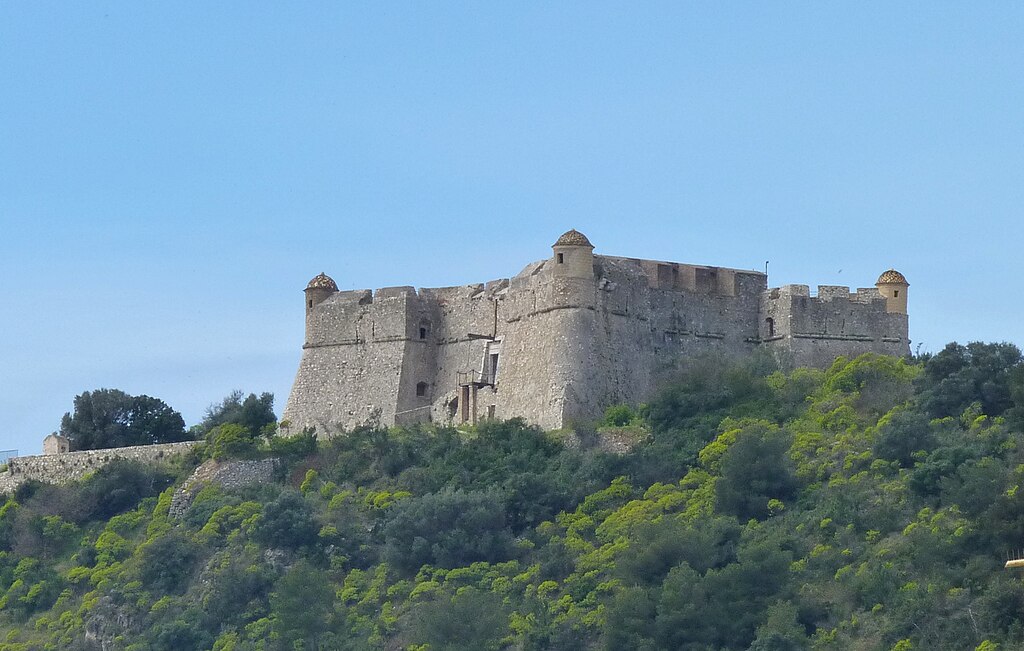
(707,280)
(667,275)
(492,371)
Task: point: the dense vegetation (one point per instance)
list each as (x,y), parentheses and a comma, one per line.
(110,418)
(868,506)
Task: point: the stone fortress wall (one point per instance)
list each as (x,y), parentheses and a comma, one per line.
(63,467)
(566,337)
(814,330)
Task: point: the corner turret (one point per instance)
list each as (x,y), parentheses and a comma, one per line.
(893,286)
(573,256)
(319,289)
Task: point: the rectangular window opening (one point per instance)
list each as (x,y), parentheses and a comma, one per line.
(493,370)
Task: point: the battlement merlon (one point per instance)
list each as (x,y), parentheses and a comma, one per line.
(694,278)
(865,295)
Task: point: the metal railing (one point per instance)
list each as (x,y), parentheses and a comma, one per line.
(467,378)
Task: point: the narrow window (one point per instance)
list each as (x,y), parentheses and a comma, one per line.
(494,368)
(560,259)
(771,326)
(421,389)
(423,333)
(311,303)
(895,293)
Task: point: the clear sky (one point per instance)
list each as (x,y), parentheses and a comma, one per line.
(173,173)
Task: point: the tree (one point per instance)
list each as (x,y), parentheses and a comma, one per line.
(447,529)
(300,606)
(782,630)
(901,436)
(978,372)
(253,413)
(109,418)
(755,469)
(231,440)
(472,620)
(166,562)
(287,522)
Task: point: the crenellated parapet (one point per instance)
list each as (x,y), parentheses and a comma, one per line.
(812,330)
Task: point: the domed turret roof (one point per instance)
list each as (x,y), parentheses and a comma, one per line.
(573,237)
(322,281)
(892,277)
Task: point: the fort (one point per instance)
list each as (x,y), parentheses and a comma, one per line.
(562,340)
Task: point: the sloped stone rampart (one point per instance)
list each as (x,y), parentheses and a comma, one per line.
(228,474)
(70,466)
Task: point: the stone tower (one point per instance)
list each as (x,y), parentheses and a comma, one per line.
(573,256)
(317,291)
(56,444)
(319,288)
(893,286)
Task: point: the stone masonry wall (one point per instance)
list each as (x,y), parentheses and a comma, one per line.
(466,320)
(814,330)
(70,466)
(352,364)
(229,474)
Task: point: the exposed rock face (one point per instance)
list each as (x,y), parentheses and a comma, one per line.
(613,440)
(106,624)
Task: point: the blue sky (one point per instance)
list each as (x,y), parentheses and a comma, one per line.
(172,174)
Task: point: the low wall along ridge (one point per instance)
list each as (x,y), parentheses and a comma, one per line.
(71,466)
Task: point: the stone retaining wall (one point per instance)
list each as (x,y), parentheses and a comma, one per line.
(228,474)
(70,466)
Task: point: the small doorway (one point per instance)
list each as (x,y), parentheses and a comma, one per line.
(464,404)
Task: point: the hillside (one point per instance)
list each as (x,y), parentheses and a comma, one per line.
(868,506)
